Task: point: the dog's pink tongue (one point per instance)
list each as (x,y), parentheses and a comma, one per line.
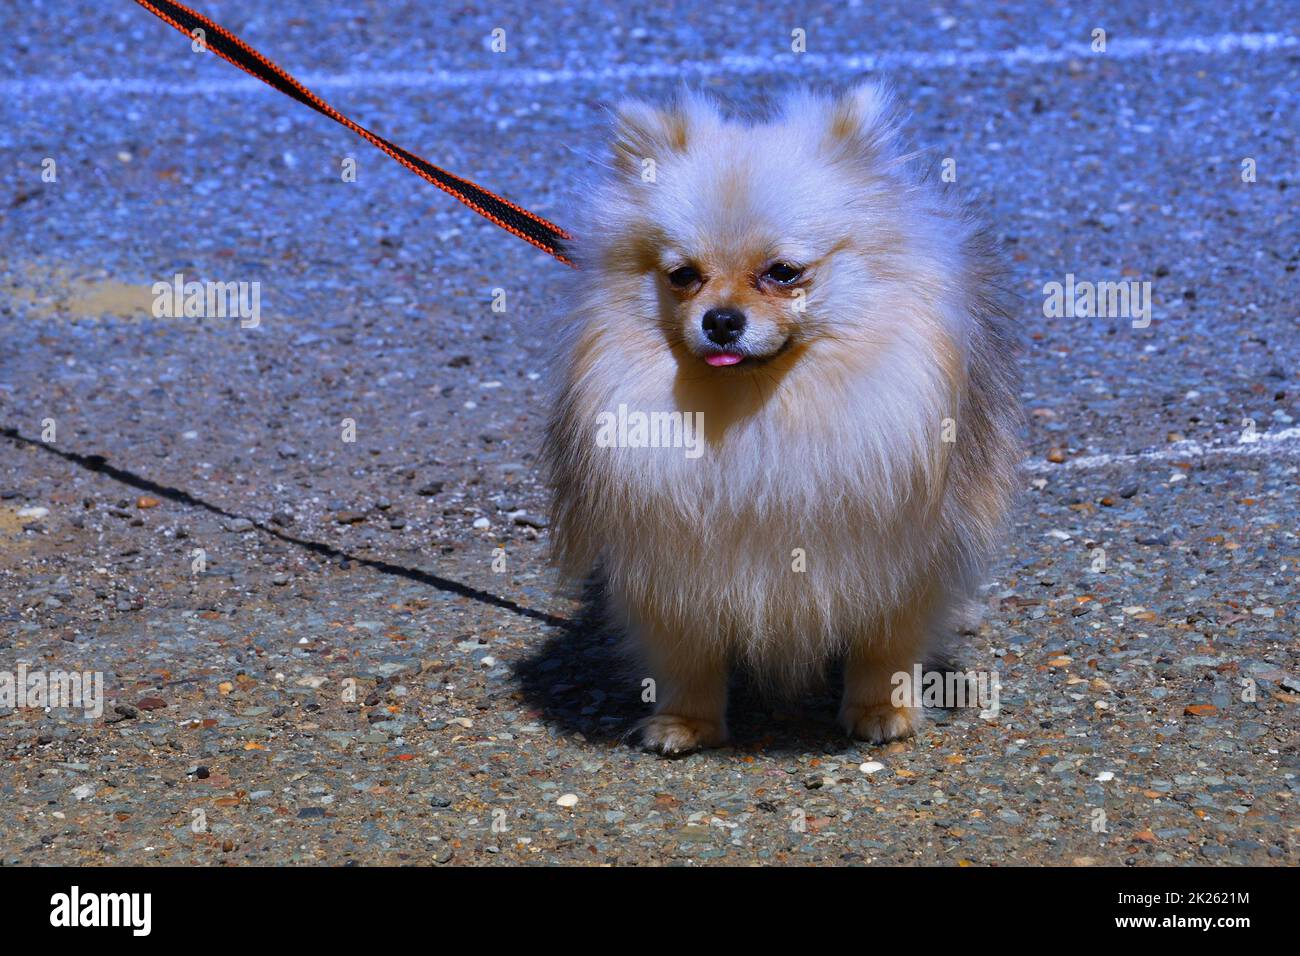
(723,358)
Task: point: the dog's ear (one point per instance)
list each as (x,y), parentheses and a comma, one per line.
(862,122)
(643,131)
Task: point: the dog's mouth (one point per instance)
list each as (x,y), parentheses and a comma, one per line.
(731,358)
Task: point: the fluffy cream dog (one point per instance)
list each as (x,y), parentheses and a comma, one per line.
(836,321)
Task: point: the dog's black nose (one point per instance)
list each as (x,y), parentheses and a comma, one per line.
(723,326)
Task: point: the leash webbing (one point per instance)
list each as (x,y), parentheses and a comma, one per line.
(514,219)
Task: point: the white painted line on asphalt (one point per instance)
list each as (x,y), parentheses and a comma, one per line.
(1285,442)
(1120,48)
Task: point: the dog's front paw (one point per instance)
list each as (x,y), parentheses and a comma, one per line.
(881,723)
(670,734)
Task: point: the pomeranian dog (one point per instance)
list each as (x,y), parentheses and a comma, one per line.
(832,323)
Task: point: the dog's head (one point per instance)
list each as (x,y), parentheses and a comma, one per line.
(749,241)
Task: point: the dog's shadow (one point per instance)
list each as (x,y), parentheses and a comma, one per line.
(582,683)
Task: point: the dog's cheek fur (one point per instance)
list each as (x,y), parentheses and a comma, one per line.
(838,453)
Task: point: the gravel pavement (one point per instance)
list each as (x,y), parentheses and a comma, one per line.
(332,644)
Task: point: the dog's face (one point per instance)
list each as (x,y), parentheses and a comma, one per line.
(753,241)
(736,304)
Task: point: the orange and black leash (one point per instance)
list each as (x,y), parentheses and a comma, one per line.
(516,220)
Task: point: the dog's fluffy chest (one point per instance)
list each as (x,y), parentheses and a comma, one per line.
(765,543)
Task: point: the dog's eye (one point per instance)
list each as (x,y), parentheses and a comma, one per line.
(684,276)
(782,273)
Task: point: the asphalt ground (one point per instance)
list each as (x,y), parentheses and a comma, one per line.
(307,652)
